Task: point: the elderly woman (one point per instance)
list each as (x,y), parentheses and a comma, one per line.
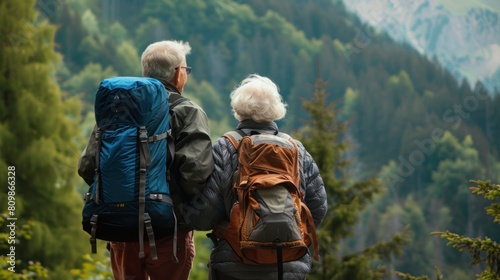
(256,104)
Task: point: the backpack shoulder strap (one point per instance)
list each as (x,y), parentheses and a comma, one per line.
(175,99)
(234,137)
(284,135)
(289,138)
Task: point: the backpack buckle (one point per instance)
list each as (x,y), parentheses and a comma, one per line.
(143,134)
(156,196)
(214,238)
(88,197)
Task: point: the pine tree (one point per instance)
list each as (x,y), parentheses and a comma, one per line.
(323,137)
(38,142)
(481,250)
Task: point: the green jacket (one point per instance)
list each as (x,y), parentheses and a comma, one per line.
(193,162)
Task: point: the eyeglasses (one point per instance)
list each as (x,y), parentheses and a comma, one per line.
(188,69)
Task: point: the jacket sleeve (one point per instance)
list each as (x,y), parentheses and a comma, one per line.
(313,186)
(208,209)
(86,163)
(193,161)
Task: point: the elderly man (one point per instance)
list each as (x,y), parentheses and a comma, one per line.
(192,165)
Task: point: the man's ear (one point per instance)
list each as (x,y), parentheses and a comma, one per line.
(175,79)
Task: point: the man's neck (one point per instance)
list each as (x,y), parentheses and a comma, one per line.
(168,85)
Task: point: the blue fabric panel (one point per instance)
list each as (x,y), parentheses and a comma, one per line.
(118,161)
(131,101)
(156,178)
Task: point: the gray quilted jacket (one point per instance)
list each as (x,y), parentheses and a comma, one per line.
(212,208)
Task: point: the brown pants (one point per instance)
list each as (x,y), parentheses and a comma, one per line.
(126,264)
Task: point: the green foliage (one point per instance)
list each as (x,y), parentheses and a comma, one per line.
(39,126)
(371,262)
(127,60)
(481,250)
(439,200)
(13,268)
(350,99)
(323,139)
(214,104)
(93,269)
(203,247)
(84,84)
(407,276)
(456,163)
(33,270)
(408,215)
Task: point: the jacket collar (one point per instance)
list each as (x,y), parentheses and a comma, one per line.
(251,127)
(168,85)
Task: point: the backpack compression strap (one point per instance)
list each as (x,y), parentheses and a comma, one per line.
(98,141)
(144,162)
(312,228)
(93,220)
(279,256)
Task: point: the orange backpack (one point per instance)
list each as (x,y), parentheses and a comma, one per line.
(269,222)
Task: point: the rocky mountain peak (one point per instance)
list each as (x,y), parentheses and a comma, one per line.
(466,43)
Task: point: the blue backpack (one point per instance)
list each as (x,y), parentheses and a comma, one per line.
(130,195)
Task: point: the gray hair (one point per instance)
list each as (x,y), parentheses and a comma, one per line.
(257,98)
(160,59)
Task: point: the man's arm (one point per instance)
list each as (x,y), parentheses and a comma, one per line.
(193,162)
(207,209)
(86,164)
